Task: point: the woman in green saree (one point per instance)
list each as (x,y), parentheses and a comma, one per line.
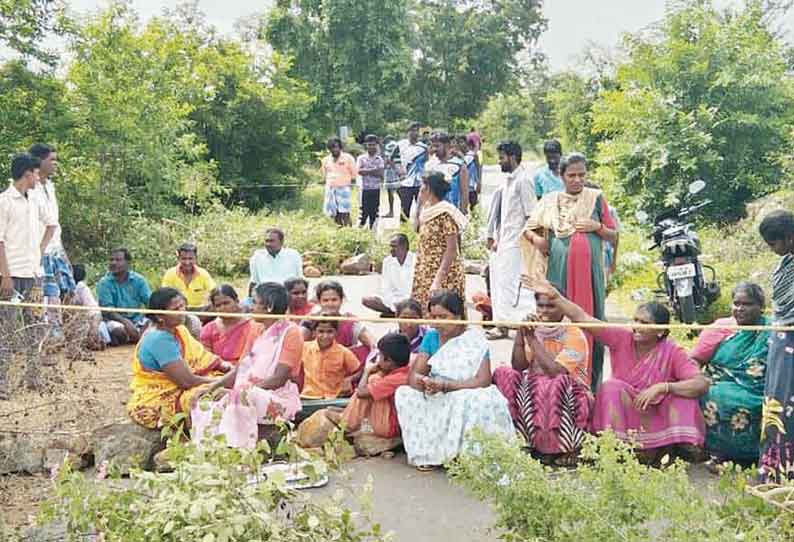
(563,243)
(735,361)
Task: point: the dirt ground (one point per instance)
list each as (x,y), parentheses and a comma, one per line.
(77,398)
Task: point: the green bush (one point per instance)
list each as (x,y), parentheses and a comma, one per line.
(215,494)
(706,96)
(227,237)
(610,498)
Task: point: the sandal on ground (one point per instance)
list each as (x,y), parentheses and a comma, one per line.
(713,465)
(426,468)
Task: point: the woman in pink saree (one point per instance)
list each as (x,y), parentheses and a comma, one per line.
(226,337)
(263,389)
(652,396)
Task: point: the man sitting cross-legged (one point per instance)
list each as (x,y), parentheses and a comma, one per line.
(122,288)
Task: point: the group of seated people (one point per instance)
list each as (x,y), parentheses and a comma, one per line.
(126,291)
(432,385)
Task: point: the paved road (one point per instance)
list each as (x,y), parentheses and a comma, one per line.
(417,506)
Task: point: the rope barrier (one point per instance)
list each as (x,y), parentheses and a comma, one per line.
(379,320)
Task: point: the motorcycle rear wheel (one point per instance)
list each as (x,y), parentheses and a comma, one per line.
(686,309)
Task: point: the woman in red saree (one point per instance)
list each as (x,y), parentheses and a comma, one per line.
(226,337)
(563,242)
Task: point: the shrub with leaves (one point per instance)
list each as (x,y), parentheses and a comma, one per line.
(214,494)
(610,497)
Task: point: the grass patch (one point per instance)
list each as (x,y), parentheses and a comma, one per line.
(227,237)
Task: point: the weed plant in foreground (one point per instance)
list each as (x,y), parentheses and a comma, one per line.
(214,494)
(611,497)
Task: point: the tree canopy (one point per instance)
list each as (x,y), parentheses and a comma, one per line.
(435,61)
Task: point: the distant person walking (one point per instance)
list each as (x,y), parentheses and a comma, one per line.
(413,155)
(338,170)
(370,166)
(474,169)
(475,139)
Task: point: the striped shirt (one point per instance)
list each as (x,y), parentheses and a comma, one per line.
(783,291)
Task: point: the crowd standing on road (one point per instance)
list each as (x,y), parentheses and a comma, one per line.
(552,239)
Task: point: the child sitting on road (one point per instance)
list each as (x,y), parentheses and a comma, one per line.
(329,369)
(350,334)
(374,398)
(98,336)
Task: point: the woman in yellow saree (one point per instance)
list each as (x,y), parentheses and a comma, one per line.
(170,367)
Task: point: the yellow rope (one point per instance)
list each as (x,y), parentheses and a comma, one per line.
(374,319)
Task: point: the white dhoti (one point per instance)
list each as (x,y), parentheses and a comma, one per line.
(511,301)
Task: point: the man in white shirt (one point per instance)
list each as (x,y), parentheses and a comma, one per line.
(275,263)
(511,301)
(413,158)
(397,278)
(57,277)
(22,243)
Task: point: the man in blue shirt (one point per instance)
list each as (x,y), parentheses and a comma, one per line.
(122,288)
(548,180)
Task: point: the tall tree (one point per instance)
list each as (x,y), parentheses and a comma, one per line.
(353,54)
(707,97)
(468,51)
(25,23)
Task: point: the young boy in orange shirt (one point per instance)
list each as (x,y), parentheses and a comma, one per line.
(329,368)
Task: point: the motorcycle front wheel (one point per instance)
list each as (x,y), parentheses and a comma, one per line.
(686,309)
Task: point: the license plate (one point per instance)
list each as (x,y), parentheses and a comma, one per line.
(681,271)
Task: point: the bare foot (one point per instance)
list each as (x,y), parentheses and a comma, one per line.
(567,460)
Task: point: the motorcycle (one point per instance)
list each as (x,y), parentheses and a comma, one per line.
(682,279)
